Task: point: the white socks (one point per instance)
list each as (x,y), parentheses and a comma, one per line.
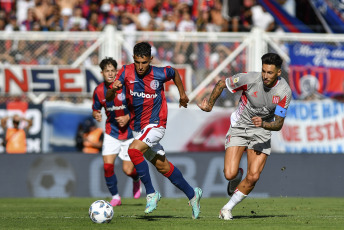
(236,198)
(117,197)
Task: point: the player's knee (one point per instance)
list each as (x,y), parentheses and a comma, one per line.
(252,178)
(230,174)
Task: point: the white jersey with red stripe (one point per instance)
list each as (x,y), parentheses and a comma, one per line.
(257,99)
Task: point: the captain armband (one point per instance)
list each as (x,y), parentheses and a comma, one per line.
(280,111)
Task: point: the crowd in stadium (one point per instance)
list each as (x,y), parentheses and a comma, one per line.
(143,15)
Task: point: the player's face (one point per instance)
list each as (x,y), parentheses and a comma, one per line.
(142,64)
(270,74)
(109,73)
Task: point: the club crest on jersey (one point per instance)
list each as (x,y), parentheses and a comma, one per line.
(154,84)
(121,96)
(275,99)
(236,80)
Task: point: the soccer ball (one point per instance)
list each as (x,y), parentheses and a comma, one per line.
(101,212)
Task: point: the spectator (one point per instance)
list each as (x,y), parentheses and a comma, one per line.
(262,19)
(89,137)
(15,140)
(77,22)
(22,9)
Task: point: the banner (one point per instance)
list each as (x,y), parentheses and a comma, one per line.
(283,19)
(311,127)
(316,69)
(59,79)
(330,14)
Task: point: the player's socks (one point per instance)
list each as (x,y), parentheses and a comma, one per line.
(134,175)
(110,178)
(142,169)
(176,177)
(236,198)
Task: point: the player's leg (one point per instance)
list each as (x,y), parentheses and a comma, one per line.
(111,179)
(129,169)
(231,167)
(231,170)
(171,172)
(255,165)
(111,148)
(135,151)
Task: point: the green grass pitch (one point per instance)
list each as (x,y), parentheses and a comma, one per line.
(252,213)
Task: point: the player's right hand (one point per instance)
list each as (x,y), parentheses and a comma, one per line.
(116,85)
(97,115)
(204,105)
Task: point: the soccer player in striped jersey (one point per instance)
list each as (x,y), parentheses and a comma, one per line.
(262,108)
(118,135)
(144,87)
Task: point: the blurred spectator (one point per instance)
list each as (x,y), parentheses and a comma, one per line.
(22,9)
(77,22)
(168,23)
(13,25)
(231,11)
(93,23)
(217,18)
(204,22)
(262,19)
(15,134)
(89,138)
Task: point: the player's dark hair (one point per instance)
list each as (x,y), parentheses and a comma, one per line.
(142,49)
(272,59)
(108,61)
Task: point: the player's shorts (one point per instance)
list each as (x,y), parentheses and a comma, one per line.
(151,135)
(258,139)
(113,146)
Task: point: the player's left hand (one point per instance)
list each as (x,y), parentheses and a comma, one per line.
(183,101)
(257,121)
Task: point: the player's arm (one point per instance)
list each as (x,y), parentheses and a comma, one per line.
(111,93)
(207,105)
(183,98)
(275,125)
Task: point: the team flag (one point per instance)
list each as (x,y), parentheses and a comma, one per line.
(283,19)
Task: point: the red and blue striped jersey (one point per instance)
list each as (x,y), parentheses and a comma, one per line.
(113,109)
(145,95)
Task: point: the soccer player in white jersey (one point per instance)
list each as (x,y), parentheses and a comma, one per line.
(262,109)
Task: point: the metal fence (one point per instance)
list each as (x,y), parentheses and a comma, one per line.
(207,56)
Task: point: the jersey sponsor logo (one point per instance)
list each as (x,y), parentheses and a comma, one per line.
(143,95)
(154,84)
(275,99)
(121,96)
(113,108)
(255,94)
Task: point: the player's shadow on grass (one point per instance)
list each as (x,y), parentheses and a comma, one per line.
(156,218)
(258,216)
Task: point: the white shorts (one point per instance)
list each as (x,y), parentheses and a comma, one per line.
(151,135)
(113,146)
